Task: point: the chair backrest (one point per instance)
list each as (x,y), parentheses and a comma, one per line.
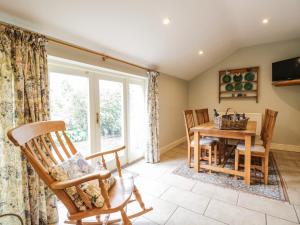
(263,128)
(268,127)
(202,116)
(189,123)
(36,141)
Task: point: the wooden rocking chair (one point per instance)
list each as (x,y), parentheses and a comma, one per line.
(35,140)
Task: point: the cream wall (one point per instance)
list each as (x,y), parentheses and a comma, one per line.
(173,92)
(203,90)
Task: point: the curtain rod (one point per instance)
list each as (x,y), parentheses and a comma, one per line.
(104,56)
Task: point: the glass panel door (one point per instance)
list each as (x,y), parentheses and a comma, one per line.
(69,101)
(111,117)
(136,120)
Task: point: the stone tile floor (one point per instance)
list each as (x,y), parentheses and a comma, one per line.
(180,201)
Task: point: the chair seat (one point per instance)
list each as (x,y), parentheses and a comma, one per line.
(216,139)
(254,148)
(121,191)
(203,141)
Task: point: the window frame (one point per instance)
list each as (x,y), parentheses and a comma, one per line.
(95,74)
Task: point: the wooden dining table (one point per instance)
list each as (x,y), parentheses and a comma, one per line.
(208,129)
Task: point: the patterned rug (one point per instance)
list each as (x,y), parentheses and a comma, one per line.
(275,189)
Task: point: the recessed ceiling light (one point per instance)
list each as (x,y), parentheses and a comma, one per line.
(265,21)
(166,21)
(200,52)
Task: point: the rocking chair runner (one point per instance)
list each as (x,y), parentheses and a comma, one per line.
(35,140)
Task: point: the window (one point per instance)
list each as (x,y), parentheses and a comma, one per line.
(102,109)
(69,101)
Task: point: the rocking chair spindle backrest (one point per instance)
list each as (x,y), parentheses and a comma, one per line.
(36,141)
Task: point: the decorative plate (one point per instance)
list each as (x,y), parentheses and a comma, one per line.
(249,76)
(238,77)
(226,78)
(248,86)
(238,86)
(229,87)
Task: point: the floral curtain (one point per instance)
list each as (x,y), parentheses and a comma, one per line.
(152,153)
(23,99)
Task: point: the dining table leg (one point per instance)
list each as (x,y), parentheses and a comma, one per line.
(196,151)
(247,159)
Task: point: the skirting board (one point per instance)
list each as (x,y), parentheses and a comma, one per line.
(285,147)
(171,145)
(274,146)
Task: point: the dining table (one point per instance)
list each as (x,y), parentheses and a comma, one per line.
(209,130)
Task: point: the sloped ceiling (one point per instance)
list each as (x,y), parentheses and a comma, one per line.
(133,29)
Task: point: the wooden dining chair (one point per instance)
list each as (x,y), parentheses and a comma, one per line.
(261,151)
(46,144)
(203,117)
(206,144)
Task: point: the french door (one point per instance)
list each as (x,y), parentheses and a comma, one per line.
(102,110)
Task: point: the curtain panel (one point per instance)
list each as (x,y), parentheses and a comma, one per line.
(152,152)
(24,98)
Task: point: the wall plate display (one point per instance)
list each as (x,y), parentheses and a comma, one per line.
(239,83)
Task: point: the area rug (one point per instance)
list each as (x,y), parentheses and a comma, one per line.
(276,188)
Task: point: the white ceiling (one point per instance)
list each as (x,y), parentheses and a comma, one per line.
(133,29)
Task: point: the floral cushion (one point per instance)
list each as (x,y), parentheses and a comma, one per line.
(75,167)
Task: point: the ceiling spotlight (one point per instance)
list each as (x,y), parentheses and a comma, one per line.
(200,52)
(265,21)
(166,21)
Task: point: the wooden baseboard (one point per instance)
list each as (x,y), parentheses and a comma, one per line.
(171,145)
(285,147)
(274,146)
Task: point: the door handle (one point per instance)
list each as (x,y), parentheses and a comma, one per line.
(97,118)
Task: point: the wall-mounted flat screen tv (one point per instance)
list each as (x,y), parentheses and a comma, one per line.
(286,70)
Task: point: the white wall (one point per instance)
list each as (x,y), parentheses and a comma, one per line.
(203,90)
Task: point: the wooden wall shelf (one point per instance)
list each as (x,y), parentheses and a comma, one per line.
(242,93)
(286,83)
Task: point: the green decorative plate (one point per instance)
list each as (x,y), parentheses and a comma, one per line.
(248,86)
(238,86)
(238,78)
(250,76)
(229,87)
(226,78)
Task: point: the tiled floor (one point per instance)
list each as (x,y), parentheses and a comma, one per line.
(180,201)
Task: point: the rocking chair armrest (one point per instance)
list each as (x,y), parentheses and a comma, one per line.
(98,154)
(58,185)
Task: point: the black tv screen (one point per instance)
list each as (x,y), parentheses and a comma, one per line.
(286,70)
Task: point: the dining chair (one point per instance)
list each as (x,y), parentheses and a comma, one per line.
(206,144)
(202,116)
(261,151)
(46,145)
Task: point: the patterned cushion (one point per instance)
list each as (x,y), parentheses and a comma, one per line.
(76,167)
